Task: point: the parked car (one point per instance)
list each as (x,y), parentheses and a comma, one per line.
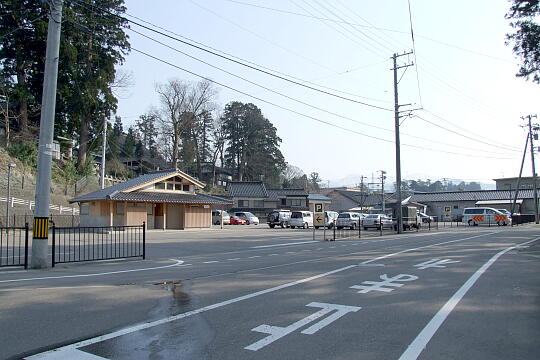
(475,216)
(507,212)
(249,217)
(329,219)
(216,217)
(351,220)
(235,220)
(377,221)
(425,218)
(303,219)
(279,217)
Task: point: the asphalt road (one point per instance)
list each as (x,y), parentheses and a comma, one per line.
(466,293)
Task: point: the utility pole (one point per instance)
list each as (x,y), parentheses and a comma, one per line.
(8,199)
(398,150)
(363,194)
(519,178)
(382,177)
(103,146)
(531,143)
(46,130)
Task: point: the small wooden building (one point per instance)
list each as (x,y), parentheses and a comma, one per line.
(164,199)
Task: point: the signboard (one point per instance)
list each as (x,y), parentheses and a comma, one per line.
(447,211)
(318,217)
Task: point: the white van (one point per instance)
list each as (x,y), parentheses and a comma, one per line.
(303,219)
(485,216)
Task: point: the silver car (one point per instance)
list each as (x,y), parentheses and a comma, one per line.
(351,220)
(249,217)
(377,221)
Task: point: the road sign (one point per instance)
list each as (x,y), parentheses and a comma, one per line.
(318,219)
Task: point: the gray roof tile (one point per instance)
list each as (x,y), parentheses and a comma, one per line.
(247,189)
(147,196)
(276,194)
(470,196)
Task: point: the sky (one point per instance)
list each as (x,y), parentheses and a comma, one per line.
(467,103)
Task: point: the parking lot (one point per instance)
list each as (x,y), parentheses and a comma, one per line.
(254,292)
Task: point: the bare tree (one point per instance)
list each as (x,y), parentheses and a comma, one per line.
(182,105)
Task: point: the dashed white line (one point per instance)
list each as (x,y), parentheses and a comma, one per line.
(233,259)
(210,262)
(285,244)
(290,252)
(273,255)
(253,257)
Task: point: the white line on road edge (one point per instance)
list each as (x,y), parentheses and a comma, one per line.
(178,263)
(422,247)
(53,354)
(286,244)
(419,344)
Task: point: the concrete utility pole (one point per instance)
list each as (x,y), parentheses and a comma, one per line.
(398,149)
(531,137)
(519,178)
(46,131)
(103,146)
(383,177)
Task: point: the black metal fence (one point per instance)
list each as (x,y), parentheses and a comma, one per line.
(77,244)
(14,246)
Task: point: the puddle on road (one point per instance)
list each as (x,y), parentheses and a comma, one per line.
(178,290)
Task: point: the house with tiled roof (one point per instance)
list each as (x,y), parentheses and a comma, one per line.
(166,199)
(253,196)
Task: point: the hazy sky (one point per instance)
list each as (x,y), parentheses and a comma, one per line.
(464,79)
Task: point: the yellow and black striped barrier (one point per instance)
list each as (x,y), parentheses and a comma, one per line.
(41,228)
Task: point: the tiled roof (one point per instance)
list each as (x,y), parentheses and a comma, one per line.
(470,195)
(247,189)
(108,192)
(276,194)
(148,196)
(140,180)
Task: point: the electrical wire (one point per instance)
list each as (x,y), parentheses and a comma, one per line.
(414,53)
(308,116)
(83,3)
(291,98)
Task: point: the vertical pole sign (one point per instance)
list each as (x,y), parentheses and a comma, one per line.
(318,218)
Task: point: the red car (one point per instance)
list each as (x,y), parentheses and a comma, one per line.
(235,220)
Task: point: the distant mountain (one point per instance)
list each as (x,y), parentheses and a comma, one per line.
(355,179)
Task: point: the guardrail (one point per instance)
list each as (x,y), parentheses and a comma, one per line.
(78,244)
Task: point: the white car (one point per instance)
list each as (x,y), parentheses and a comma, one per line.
(475,216)
(249,217)
(378,220)
(303,219)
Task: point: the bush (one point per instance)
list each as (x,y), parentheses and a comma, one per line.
(26,152)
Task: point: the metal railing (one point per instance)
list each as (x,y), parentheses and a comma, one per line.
(78,244)
(14,246)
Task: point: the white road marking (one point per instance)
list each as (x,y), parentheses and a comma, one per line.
(233,259)
(277,332)
(290,252)
(420,342)
(435,263)
(178,263)
(319,248)
(273,255)
(253,257)
(169,319)
(210,262)
(385,285)
(307,250)
(72,354)
(285,244)
(425,246)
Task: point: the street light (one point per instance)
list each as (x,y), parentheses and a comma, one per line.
(11,165)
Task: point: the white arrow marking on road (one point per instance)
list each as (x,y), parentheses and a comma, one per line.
(277,332)
(380,285)
(435,263)
(69,355)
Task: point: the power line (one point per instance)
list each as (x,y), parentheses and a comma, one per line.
(369,27)
(414,53)
(305,115)
(233,60)
(294,99)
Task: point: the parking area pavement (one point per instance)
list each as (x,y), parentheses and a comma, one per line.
(290,297)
